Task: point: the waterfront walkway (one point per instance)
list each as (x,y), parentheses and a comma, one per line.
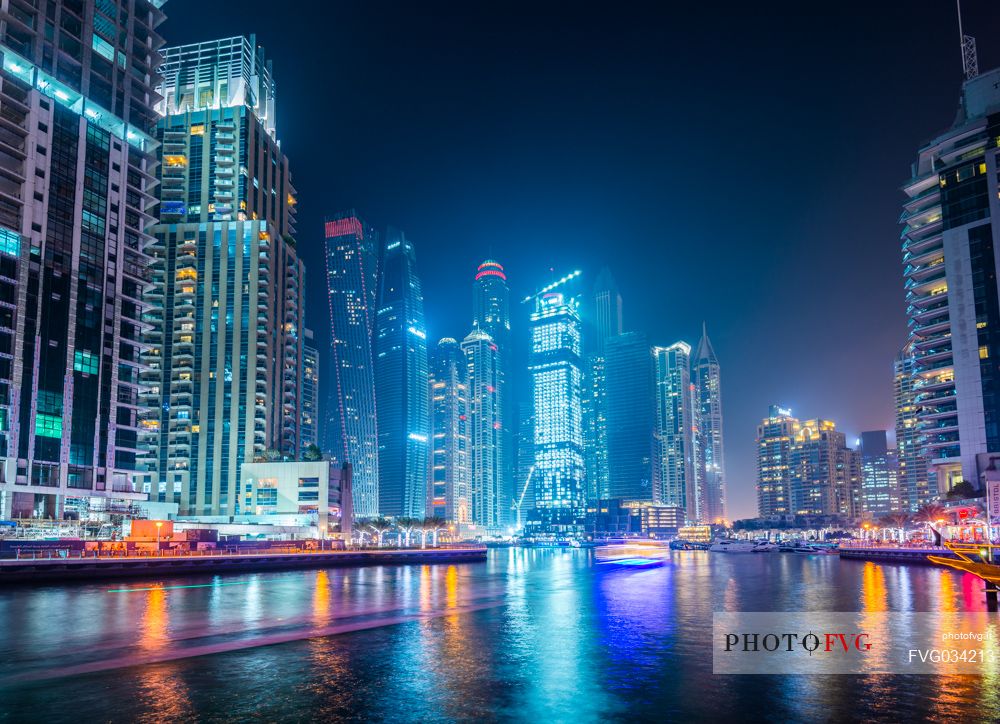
(26,569)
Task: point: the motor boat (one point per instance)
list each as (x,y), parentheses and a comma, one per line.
(764,546)
(732,546)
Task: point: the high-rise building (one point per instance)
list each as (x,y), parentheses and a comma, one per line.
(629,420)
(309,430)
(606,324)
(914,490)
(491,314)
(76,178)
(352,424)
(490,498)
(949,258)
(674,474)
(401,382)
(556,370)
(224,364)
(775,435)
(824,474)
(449,395)
(879,491)
(711,464)
(523,500)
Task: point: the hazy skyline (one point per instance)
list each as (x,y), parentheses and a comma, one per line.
(738,168)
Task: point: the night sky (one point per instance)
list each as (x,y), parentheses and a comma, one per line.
(738,164)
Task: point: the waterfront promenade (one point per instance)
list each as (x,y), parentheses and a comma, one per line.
(41,567)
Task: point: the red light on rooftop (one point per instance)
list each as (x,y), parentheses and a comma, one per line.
(344,227)
(490,269)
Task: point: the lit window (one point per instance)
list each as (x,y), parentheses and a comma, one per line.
(984,352)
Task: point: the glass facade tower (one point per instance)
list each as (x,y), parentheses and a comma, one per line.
(352,424)
(449,394)
(914,490)
(309,433)
(556,370)
(224,363)
(77,166)
(490,498)
(628,386)
(711,465)
(606,324)
(675,479)
(401,383)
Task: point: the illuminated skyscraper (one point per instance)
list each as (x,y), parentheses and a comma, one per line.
(76,184)
(878,490)
(950,246)
(775,435)
(401,382)
(629,439)
(228,293)
(824,476)
(309,432)
(490,499)
(675,481)
(352,425)
(711,466)
(914,490)
(449,394)
(606,324)
(491,314)
(555,367)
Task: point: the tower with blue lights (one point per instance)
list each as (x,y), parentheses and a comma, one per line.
(401,382)
(490,499)
(557,376)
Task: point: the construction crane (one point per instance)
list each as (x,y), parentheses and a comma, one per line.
(520,501)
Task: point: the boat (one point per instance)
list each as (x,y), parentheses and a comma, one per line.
(732,546)
(764,546)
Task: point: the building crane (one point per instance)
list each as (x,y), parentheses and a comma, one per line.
(520,500)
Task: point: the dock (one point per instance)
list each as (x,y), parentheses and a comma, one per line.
(31,570)
(892,554)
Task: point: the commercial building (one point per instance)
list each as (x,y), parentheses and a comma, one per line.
(629,419)
(450,497)
(824,474)
(351,285)
(223,367)
(914,489)
(675,451)
(619,517)
(77,172)
(491,314)
(710,464)
(949,249)
(606,324)
(775,435)
(320,490)
(490,498)
(401,383)
(879,487)
(556,370)
(309,427)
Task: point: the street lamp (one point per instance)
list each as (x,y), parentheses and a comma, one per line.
(159,524)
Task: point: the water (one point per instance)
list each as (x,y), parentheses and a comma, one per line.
(530,635)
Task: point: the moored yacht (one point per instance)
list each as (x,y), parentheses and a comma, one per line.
(732,546)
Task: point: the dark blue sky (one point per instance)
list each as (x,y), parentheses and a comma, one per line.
(737,163)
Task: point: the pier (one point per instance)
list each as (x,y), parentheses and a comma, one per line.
(38,569)
(894,554)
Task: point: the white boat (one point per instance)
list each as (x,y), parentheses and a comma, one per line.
(764,546)
(732,546)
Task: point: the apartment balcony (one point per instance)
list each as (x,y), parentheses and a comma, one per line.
(927,301)
(224,160)
(920,241)
(930,359)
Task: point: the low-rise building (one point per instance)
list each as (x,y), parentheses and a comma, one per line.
(320,489)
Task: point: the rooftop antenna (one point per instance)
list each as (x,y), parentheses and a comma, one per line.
(970,59)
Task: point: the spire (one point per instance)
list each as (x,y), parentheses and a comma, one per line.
(605,281)
(705,349)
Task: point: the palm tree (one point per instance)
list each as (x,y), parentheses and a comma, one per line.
(406,526)
(433,525)
(379,527)
(899,521)
(930,513)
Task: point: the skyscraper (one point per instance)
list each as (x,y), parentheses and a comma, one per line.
(775,436)
(675,479)
(523,501)
(629,422)
(824,474)
(556,371)
(607,323)
(711,465)
(914,490)
(878,491)
(949,266)
(228,292)
(491,314)
(309,432)
(401,387)
(352,424)
(449,395)
(77,180)
(490,498)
